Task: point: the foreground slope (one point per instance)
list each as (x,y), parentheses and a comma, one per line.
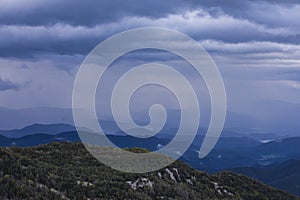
(68,171)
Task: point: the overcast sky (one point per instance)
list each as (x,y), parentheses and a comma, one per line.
(255,44)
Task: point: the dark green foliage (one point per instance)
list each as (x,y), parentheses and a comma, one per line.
(67,170)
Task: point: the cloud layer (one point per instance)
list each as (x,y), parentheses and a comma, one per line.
(64,37)
(256,44)
(8,85)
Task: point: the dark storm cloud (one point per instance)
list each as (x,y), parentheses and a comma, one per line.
(8,85)
(27,41)
(93,12)
(87,13)
(73,27)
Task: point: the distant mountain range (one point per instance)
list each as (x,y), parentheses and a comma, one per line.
(229,152)
(277,117)
(285,175)
(51,129)
(239,152)
(19,118)
(68,171)
(109,127)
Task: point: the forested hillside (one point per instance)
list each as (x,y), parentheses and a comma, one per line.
(68,171)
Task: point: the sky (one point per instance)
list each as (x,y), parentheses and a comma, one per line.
(255,44)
